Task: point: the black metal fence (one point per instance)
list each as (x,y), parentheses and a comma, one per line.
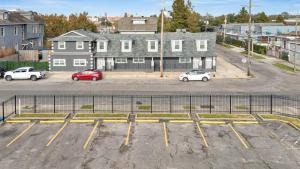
(211,104)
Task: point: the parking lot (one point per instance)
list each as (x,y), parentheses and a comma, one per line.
(149,145)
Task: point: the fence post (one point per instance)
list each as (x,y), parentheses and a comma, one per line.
(190,104)
(250,104)
(54,104)
(74,111)
(131,104)
(3,114)
(93,104)
(170,100)
(230,111)
(34,103)
(15,104)
(209,104)
(151,104)
(112,104)
(271,103)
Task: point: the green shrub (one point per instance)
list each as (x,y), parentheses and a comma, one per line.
(144,107)
(285,56)
(12,65)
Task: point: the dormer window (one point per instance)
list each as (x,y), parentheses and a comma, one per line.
(102,46)
(126,45)
(61,45)
(139,21)
(79,45)
(201,45)
(152,45)
(176,45)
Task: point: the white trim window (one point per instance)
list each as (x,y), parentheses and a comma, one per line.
(2,32)
(16,31)
(79,62)
(61,45)
(138,60)
(59,62)
(185,60)
(201,45)
(79,45)
(121,60)
(176,45)
(126,45)
(152,45)
(102,46)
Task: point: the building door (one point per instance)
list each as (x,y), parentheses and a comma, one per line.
(209,63)
(101,63)
(197,63)
(156,64)
(203,60)
(109,64)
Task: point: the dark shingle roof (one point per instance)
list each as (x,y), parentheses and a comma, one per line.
(126,24)
(16,18)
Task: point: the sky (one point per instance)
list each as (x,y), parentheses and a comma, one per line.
(147,7)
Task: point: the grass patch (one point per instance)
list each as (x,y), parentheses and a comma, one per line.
(207,106)
(86,107)
(284,67)
(163,115)
(255,56)
(144,107)
(241,107)
(100,115)
(188,107)
(227,116)
(37,115)
(226,45)
(292,120)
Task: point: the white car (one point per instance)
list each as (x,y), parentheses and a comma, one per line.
(195,75)
(24,73)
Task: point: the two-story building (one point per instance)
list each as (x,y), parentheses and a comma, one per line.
(21,30)
(79,50)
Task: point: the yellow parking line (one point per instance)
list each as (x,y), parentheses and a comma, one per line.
(147,121)
(128,134)
(202,135)
(17,121)
(181,121)
(245,122)
(166,134)
(82,121)
(212,122)
(115,121)
(56,135)
(90,136)
(51,121)
(242,140)
(20,135)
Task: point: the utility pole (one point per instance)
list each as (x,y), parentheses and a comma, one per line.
(249,39)
(225,27)
(162,41)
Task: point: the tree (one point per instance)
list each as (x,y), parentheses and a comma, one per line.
(261,18)
(167,24)
(180,15)
(279,19)
(193,22)
(81,22)
(243,16)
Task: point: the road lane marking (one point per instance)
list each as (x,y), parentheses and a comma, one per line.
(128,134)
(20,135)
(242,140)
(202,135)
(90,136)
(166,134)
(58,133)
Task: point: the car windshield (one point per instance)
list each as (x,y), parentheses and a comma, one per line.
(31,70)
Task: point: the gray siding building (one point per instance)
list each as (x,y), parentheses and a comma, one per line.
(79,50)
(20,30)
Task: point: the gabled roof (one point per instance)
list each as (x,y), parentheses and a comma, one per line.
(15,17)
(76,35)
(126,24)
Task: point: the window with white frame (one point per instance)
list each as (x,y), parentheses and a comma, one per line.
(79,62)
(152,45)
(138,60)
(102,46)
(201,45)
(61,45)
(59,62)
(185,60)
(121,60)
(126,45)
(16,31)
(176,45)
(79,45)
(2,32)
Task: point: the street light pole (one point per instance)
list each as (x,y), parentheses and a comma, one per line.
(249,39)
(225,27)
(162,41)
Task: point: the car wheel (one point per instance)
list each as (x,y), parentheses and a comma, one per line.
(94,79)
(8,78)
(33,78)
(185,79)
(205,79)
(75,78)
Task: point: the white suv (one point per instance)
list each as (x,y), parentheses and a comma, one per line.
(24,73)
(195,75)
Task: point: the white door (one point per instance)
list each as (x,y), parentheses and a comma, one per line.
(197,63)
(101,63)
(109,63)
(208,63)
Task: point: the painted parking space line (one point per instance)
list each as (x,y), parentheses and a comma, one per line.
(82,121)
(242,140)
(90,136)
(115,121)
(212,122)
(17,121)
(245,122)
(128,134)
(166,134)
(51,121)
(57,134)
(202,135)
(20,135)
(147,121)
(181,121)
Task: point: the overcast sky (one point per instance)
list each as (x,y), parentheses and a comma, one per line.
(147,7)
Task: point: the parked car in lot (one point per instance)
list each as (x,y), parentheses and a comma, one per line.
(195,75)
(90,74)
(2,72)
(24,73)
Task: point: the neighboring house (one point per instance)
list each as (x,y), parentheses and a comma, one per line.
(20,30)
(137,25)
(294,52)
(78,50)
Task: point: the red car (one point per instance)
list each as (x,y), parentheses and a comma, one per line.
(89,74)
